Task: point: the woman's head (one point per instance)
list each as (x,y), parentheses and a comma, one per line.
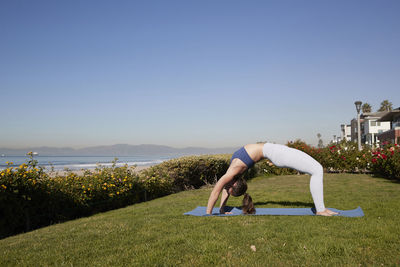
(238,188)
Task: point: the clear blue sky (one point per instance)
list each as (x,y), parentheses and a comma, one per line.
(191,73)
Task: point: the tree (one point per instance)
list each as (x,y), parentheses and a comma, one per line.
(366,108)
(320,142)
(386,106)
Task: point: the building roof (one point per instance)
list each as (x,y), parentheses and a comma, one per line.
(391,115)
(375,115)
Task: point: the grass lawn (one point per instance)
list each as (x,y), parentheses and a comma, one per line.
(156,232)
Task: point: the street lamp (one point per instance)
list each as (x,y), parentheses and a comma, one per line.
(358,107)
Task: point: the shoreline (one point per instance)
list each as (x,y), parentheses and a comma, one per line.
(80,172)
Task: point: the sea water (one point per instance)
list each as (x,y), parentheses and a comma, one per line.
(59,163)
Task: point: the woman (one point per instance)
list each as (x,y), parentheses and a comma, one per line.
(281,156)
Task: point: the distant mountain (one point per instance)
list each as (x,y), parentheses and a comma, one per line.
(116,150)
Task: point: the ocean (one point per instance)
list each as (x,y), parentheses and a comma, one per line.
(60,163)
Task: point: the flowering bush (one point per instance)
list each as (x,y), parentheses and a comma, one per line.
(19,187)
(386,161)
(340,157)
(345,157)
(30,198)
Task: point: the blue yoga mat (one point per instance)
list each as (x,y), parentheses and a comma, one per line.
(201,211)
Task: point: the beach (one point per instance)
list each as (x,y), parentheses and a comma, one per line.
(80,172)
(79,164)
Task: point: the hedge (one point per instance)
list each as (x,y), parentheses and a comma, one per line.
(30,198)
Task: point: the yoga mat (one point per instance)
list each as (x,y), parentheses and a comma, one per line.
(201,211)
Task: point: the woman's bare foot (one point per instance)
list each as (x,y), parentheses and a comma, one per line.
(326,212)
(331,212)
(323,213)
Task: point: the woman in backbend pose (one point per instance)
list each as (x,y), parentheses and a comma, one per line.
(281,156)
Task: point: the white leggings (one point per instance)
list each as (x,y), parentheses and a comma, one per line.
(283,156)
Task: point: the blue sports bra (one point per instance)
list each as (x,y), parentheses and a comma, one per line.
(243,156)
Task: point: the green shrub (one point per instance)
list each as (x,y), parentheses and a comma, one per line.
(386,161)
(183,173)
(266,168)
(30,198)
(195,171)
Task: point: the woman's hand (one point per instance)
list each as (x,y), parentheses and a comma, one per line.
(222,211)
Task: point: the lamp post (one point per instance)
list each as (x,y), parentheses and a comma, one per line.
(358,107)
(343,132)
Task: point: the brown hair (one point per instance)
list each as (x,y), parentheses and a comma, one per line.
(248,205)
(239,187)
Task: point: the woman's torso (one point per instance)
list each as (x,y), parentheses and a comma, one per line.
(255,151)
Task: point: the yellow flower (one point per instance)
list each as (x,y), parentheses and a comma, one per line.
(5,187)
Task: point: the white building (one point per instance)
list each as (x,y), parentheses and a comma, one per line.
(372,127)
(345,133)
(393,135)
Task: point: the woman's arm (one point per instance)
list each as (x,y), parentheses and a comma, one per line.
(225,179)
(224,199)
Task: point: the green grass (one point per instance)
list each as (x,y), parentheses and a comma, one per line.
(156,232)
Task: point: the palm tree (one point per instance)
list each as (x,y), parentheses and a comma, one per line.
(320,142)
(366,108)
(386,106)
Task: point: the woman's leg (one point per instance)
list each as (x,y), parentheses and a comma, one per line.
(283,156)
